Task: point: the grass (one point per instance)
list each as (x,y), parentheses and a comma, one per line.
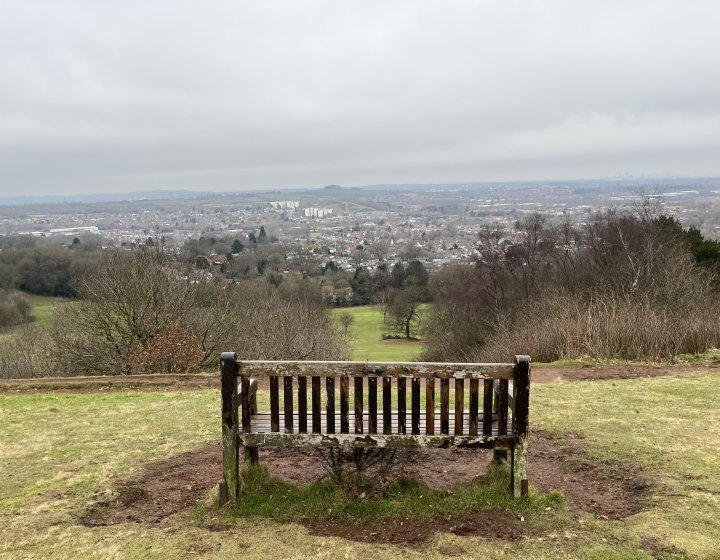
(60,453)
(270,497)
(366,333)
(670,426)
(43,307)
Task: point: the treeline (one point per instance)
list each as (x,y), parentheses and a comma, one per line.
(140,312)
(377,286)
(46,267)
(630,286)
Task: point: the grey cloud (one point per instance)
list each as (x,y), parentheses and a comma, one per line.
(228,95)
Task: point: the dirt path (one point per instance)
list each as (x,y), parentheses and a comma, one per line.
(189,382)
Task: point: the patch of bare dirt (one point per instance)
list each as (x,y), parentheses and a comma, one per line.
(604,489)
(189,382)
(608,372)
(170,382)
(162,488)
(488,523)
(607,489)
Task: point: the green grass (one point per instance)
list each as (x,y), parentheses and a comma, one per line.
(43,307)
(366,333)
(269,497)
(59,453)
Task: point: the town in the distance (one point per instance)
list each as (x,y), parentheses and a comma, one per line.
(242,234)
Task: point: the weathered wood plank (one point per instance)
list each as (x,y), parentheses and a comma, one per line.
(487,406)
(501,455)
(444,406)
(459,405)
(231,450)
(387,405)
(430,407)
(302,404)
(330,405)
(288,403)
(402,404)
(316,404)
(274,439)
(275,404)
(372,405)
(520,420)
(438,370)
(473,412)
(415,406)
(344,405)
(358,405)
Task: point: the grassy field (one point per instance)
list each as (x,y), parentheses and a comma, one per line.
(42,307)
(59,453)
(366,335)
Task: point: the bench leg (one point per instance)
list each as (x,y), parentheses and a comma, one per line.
(251,454)
(231,450)
(519,468)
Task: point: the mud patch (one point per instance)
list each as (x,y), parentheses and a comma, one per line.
(607,489)
(488,523)
(162,488)
(173,485)
(612,372)
(191,382)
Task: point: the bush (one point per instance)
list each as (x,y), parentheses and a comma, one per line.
(567,327)
(14,309)
(618,287)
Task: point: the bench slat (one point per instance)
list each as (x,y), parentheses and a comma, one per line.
(474,389)
(487,406)
(415,406)
(316,404)
(344,405)
(387,405)
(274,404)
(358,405)
(330,412)
(302,404)
(430,407)
(459,405)
(288,402)
(402,404)
(444,406)
(372,405)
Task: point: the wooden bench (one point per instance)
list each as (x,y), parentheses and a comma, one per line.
(496,418)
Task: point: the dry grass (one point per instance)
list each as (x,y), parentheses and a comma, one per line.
(60,452)
(567,328)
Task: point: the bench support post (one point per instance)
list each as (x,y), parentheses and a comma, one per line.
(521,409)
(229,487)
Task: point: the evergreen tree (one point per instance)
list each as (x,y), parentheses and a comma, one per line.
(262,236)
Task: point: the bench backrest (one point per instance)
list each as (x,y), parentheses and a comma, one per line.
(492,389)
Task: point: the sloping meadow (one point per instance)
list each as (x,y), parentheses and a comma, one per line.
(67,459)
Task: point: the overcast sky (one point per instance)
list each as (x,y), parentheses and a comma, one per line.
(101,96)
